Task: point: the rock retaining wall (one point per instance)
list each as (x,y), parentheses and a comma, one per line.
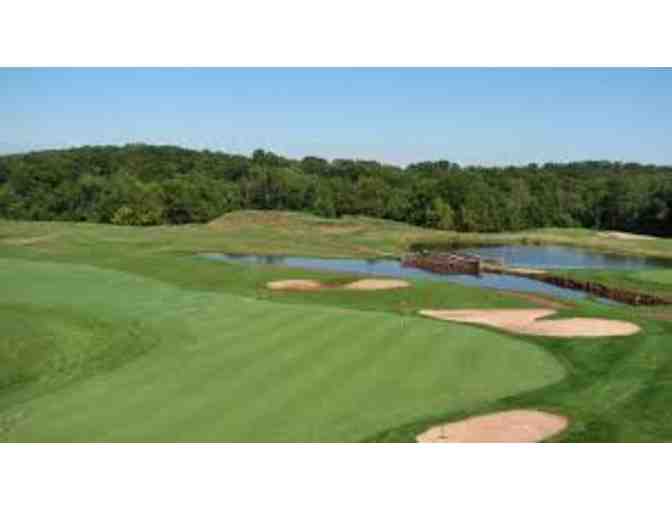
(621,295)
(444,262)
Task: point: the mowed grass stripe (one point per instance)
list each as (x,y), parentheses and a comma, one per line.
(313,385)
(251,373)
(275,380)
(365,354)
(322,371)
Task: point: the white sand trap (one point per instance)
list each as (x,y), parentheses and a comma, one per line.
(516,426)
(526,321)
(311,285)
(294,285)
(376,284)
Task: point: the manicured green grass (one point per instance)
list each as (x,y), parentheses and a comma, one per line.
(229,368)
(658,276)
(43,344)
(616,390)
(120,333)
(649,281)
(657,282)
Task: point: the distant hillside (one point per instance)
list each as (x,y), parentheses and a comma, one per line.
(141,184)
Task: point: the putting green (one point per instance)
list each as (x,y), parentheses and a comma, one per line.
(126,358)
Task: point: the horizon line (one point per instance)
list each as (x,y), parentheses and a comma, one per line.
(538,163)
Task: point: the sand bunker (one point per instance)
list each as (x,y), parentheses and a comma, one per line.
(295,285)
(516,426)
(311,285)
(526,321)
(376,284)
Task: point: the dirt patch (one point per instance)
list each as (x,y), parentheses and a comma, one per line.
(246,219)
(624,236)
(313,285)
(526,321)
(516,426)
(376,284)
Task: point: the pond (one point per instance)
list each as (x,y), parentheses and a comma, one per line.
(549,256)
(564,257)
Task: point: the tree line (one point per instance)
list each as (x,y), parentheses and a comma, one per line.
(140,184)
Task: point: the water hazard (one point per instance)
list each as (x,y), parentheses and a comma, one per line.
(525,256)
(563,257)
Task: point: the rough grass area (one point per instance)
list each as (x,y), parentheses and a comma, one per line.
(120,333)
(292,233)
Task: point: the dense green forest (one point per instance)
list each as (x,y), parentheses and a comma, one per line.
(141,184)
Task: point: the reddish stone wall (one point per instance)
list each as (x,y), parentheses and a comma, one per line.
(444,263)
(622,296)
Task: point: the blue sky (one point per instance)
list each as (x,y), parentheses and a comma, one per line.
(491,116)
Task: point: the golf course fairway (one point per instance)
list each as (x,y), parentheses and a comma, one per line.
(126,334)
(216,367)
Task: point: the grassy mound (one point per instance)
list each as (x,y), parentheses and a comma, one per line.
(48,345)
